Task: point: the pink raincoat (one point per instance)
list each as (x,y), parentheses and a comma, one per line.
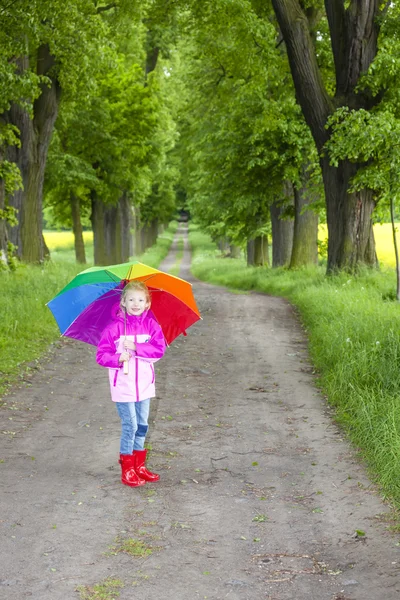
(150,347)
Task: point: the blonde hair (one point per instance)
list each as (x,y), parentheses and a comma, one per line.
(138,286)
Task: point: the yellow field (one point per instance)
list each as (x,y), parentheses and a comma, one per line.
(383,240)
(383,237)
(59,240)
(384,243)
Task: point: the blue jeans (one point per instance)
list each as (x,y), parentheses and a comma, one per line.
(134,420)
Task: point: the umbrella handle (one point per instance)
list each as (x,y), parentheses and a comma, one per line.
(126,362)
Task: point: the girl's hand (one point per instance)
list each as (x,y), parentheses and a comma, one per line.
(123,357)
(129,345)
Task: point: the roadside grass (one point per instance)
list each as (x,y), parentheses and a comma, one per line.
(353,327)
(107,590)
(27,327)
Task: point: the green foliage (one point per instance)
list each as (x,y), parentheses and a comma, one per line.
(369,138)
(241,130)
(353,328)
(116,139)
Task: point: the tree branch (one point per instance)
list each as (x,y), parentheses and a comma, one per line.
(3,10)
(335,13)
(310,90)
(100,9)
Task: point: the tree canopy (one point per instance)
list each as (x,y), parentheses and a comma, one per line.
(240,111)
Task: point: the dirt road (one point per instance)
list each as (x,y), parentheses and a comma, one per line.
(259,498)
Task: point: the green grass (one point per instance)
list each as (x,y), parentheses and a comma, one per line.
(27,327)
(107,590)
(353,326)
(135,548)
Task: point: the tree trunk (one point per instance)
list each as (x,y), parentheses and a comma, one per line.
(261,257)
(31,158)
(234,251)
(126,227)
(282,236)
(223,245)
(77,230)
(149,233)
(354,31)
(111,231)
(112,234)
(137,238)
(349,219)
(3,228)
(250,253)
(99,241)
(305,234)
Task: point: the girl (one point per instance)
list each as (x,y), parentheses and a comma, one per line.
(136,339)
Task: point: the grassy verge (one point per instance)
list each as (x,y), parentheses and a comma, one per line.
(27,327)
(353,326)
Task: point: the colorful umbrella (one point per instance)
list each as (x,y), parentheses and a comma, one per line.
(84,307)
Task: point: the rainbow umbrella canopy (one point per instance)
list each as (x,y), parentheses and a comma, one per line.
(84,307)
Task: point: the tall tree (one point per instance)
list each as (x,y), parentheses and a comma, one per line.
(353,29)
(58,56)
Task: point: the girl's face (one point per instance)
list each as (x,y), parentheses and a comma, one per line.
(135,302)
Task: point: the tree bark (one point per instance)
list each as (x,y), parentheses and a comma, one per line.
(97,218)
(149,233)
(111,231)
(261,255)
(250,253)
(79,244)
(3,228)
(223,246)
(349,219)
(126,227)
(234,251)
(137,238)
(305,234)
(354,32)
(282,236)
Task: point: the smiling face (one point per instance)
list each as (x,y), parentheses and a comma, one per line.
(135,302)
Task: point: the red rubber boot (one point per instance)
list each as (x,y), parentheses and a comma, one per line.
(139,459)
(129,475)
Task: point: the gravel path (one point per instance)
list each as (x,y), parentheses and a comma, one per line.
(260,497)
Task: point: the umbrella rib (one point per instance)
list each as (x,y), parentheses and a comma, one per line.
(113,277)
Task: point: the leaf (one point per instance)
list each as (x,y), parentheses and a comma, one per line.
(360,532)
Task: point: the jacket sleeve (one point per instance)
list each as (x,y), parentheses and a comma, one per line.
(154,349)
(106,355)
